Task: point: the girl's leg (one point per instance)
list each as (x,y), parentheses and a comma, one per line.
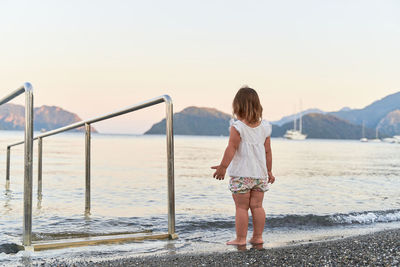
(258,214)
(242,202)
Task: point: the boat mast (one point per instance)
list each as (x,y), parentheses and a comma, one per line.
(363,129)
(295,118)
(301,115)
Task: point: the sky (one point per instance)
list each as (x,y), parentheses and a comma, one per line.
(95,57)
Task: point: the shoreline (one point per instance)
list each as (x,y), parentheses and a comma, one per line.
(378,248)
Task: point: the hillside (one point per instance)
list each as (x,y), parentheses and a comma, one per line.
(206,121)
(343,124)
(12,117)
(324,126)
(290,118)
(390,124)
(373,113)
(196,121)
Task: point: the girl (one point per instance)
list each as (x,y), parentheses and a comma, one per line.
(248,160)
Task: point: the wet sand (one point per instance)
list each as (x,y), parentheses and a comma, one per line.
(380,248)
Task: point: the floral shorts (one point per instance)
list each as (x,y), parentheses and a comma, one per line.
(245,184)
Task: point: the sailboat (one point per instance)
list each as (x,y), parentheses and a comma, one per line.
(395,139)
(376,140)
(295,134)
(391,140)
(363,138)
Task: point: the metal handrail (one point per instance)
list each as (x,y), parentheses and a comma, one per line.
(28,157)
(144,104)
(170,151)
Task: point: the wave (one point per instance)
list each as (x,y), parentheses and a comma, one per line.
(367,217)
(190,226)
(311,220)
(297,221)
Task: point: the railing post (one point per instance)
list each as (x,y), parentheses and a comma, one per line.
(40,149)
(87,168)
(8,168)
(28,157)
(170,164)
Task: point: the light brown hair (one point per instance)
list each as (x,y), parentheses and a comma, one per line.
(246,105)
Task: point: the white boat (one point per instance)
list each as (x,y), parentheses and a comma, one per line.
(363,138)
(393,140)
(376,140)
(389,140)
(295,134)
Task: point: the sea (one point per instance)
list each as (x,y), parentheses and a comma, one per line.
(324,190)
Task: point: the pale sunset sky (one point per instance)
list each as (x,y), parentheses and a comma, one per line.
(94,57)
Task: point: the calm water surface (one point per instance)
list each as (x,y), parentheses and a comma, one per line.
(324,189)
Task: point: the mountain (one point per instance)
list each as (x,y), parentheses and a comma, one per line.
(373,113)
(207,121)
(345,109)
(343,124)
(12,117)
(325,126)
(291,118)
(196,121)
(390,124)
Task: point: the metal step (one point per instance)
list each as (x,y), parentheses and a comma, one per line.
(96,240)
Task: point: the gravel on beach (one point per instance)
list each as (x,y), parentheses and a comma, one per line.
(376,249)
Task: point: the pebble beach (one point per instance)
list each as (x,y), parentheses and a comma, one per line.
(376,249)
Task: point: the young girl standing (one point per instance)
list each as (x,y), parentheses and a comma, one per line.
(248,160)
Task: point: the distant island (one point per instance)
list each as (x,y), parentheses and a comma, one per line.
(196,121)
(383,114)
(46,118)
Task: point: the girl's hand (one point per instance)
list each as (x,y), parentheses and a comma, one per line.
(271,178)
(219,174)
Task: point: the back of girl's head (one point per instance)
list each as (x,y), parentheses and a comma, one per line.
(246,105)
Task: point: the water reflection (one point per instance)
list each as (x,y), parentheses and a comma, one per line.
(39,193)
(257,246)
(87,214)
(8,194)
(26,259)
(87,223)
(241,247)
(253,246)
(39,201)
(170,247)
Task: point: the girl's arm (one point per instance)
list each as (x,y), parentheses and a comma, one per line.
(234,141)
(268,154)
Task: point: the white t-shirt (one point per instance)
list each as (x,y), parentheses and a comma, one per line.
(249,159)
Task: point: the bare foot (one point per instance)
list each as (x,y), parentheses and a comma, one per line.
(256,241)
(236,242)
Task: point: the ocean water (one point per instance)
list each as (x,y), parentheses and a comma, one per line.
(324,189)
